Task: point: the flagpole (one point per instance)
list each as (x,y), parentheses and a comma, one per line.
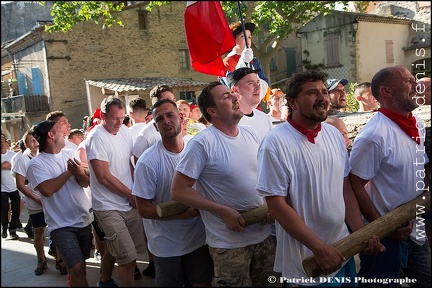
(242,24)
(243,27)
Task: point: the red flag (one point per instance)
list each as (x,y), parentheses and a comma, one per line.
(208,36)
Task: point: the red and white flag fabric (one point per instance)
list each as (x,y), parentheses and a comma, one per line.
(208,36)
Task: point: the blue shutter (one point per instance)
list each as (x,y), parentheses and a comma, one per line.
(22,84)
(37,83)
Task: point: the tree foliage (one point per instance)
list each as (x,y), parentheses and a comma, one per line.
(67,13)
(275,20)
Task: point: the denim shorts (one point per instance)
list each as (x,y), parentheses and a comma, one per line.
(73,243)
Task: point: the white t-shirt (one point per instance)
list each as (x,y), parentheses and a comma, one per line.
(259,121)
(135,130)
(117,151)
(153,176)
(225,168)
(70,145)
(8,183)
(20,167)
(82,145)
(69,206)
(312,176)
(384,154)
(146,138)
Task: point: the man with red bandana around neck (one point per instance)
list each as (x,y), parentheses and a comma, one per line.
(387,161)
(303,175)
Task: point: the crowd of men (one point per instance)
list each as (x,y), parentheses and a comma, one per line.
(109,185)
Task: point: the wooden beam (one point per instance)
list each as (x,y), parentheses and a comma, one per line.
(383,226)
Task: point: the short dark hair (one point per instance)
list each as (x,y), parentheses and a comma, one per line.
(361,88)
(126,119)
(163,101)
(157,91)
(138,103)
(295,82)
(206,99)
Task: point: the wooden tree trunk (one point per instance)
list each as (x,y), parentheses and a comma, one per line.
(383,226)
(170,208)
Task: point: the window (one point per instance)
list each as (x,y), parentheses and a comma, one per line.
(184,61)
(389,51)
(273,66)
(188,96)
(332,50)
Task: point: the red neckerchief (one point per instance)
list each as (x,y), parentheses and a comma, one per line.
(310,134)
(407,124)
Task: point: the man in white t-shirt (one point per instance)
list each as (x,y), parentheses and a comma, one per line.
(146,138)
(9,192)
(149,135)
(59,177)
(32,197)
(245,82)
(387,160)
(177,242)
(138,112)
(221,162)
(60,117)
(303,173)
(109,151)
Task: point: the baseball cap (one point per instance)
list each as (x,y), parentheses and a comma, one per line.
(239,73)
(332,83)
(40,133)
(193,106)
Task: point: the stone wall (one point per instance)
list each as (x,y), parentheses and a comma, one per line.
(356,121)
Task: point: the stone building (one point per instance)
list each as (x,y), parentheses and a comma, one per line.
(53,69)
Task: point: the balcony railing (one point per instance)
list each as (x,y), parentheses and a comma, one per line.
(23,104)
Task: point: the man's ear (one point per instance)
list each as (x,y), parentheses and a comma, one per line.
(292,104)
(154,123)
(211,111)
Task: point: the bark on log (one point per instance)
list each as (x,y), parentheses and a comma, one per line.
(173,207)
(383,226)
(255,215)
(169,208)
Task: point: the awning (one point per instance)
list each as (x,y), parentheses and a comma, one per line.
(147,83)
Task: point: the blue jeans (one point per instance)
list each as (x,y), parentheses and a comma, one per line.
(399,256)
(15,201)
(419,264)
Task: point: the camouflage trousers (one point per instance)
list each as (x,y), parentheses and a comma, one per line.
(244,267)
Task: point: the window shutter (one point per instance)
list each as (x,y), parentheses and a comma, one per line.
(22,83)
(332,50)
(37,83)
(389,51)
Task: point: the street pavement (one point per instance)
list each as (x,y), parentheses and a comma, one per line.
(18,262)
